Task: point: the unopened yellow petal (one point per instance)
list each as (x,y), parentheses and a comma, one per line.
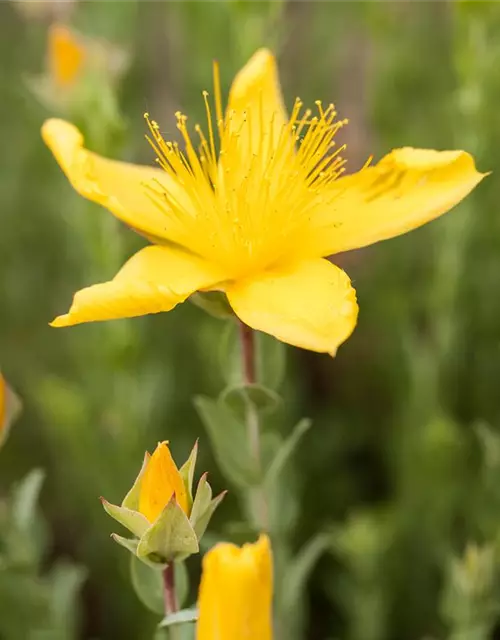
(310,304)
(125,189)
(160,481)
(155,279)
(255,109)
(235,600)
(406,189)
(66,55)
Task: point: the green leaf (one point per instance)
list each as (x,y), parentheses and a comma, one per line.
(11,409)
(66,581)
(147,581)
(148,584)
(296,575)
(134,521)
(180,617)
(171,537)
(25,500)
(214,303)
(229,442)
(131,500)
(285,451)
(238,396)
(187,472)
(270,360)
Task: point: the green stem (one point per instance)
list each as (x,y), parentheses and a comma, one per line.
(257,495)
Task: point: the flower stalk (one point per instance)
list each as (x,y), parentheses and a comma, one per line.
(170,598)
(257,495)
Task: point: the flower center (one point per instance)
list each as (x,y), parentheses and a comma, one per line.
(247,193)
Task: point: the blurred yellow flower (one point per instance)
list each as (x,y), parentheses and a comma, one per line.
(66,55)
(161,480)
(252,209)
(235,600)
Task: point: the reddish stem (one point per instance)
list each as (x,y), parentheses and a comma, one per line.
(248,352)
(169,594)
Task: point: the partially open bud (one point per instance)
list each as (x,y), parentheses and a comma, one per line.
(235,600)
(160,510)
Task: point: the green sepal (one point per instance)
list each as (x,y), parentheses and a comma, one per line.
(171,537)
(130,545)
(215,303)
(203,506)
(134,521)
(237,397)
(229,441)
(202,523)
(202,499)
(187,473)
(131,500)
(179,617)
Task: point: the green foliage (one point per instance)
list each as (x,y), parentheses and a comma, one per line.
(35,602)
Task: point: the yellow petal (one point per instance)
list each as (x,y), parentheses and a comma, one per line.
(255,109)
(160,481)
(66,55)
(310,304)
(406,189)
(155,279)
(235,600)
(121,187)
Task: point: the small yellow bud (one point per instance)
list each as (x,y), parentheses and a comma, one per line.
(160,482)
(66,55)
(235,599)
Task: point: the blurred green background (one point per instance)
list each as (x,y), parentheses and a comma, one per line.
(392,500)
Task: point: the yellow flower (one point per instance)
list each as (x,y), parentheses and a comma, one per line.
(161,480)
(66,55)
(254,210)
(235,601)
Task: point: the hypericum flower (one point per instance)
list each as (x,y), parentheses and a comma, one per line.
(252,209)
(10,408)
(236,590)
(161,511)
